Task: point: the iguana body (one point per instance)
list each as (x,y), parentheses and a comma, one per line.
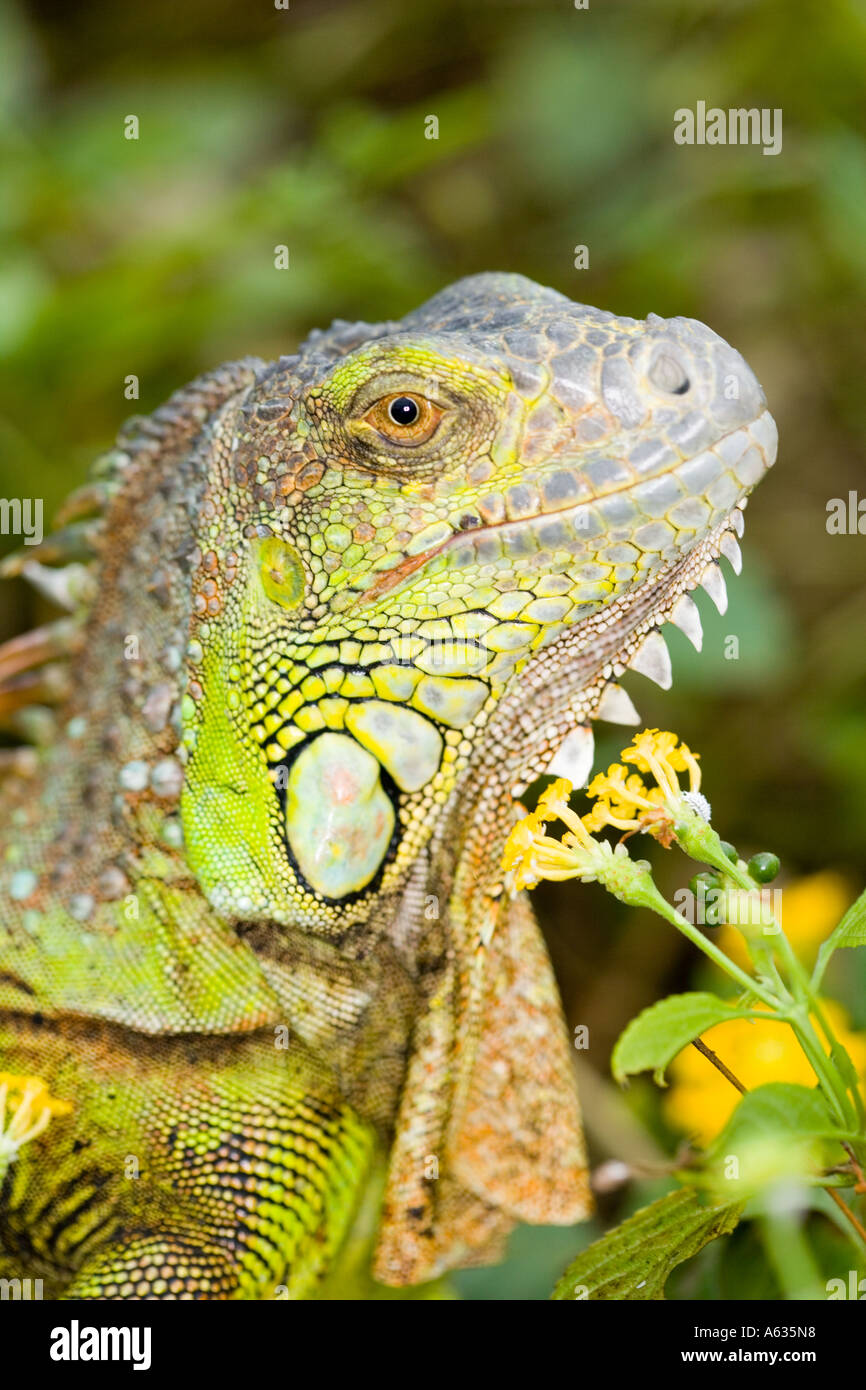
(253,920)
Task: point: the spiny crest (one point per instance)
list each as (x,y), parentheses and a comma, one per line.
(65,568)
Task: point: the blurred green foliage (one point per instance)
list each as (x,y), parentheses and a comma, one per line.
(261,126)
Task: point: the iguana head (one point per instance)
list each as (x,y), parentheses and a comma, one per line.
(426,555)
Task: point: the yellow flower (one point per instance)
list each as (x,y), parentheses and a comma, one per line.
(664,756)
(623,800)
(810,907)
(518,855)
(531,854)
(20,1087)
(555,798)
(31,1108)
(700,1100)
(521,839)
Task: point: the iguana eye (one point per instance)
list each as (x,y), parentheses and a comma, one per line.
(404,418)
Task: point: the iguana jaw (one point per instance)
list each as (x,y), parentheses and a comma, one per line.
(630,638)
(592,657)
(573,676)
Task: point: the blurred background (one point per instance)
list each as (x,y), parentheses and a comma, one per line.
(305,127)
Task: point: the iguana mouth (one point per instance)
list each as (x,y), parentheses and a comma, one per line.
(586,659)
(591,658)
(751,443)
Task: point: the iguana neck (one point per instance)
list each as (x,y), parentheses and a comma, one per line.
(107,819)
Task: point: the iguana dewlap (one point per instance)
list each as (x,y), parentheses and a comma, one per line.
(253,928)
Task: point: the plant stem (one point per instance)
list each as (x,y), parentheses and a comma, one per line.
(718,1064)
(828,1078)
(835,1086)
(849,1215)
(746,982)
(789,1254)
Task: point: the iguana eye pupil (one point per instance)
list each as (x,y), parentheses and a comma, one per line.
(404,420)
(403,410)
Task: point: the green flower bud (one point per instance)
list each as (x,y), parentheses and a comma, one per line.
(764,867)
(705,889)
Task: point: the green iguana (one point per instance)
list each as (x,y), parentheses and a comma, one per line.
(342,608)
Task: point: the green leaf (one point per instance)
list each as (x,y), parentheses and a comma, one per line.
(633,1261)
(851,931)
(781,1130)
(656,1036)
(779,1109)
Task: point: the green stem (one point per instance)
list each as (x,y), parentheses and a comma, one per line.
(829,1078)
(840,1057)
(702,843)
(835,1086)
(763,960)
(709,948)
(789,1254)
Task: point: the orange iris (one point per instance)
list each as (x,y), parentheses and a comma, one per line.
(411,429)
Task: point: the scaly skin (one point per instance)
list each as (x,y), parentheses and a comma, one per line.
(254,927)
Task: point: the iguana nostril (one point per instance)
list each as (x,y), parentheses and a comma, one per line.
(468,522)
(669,375)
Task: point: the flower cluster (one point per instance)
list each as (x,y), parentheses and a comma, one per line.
(531,854)
(622,800)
